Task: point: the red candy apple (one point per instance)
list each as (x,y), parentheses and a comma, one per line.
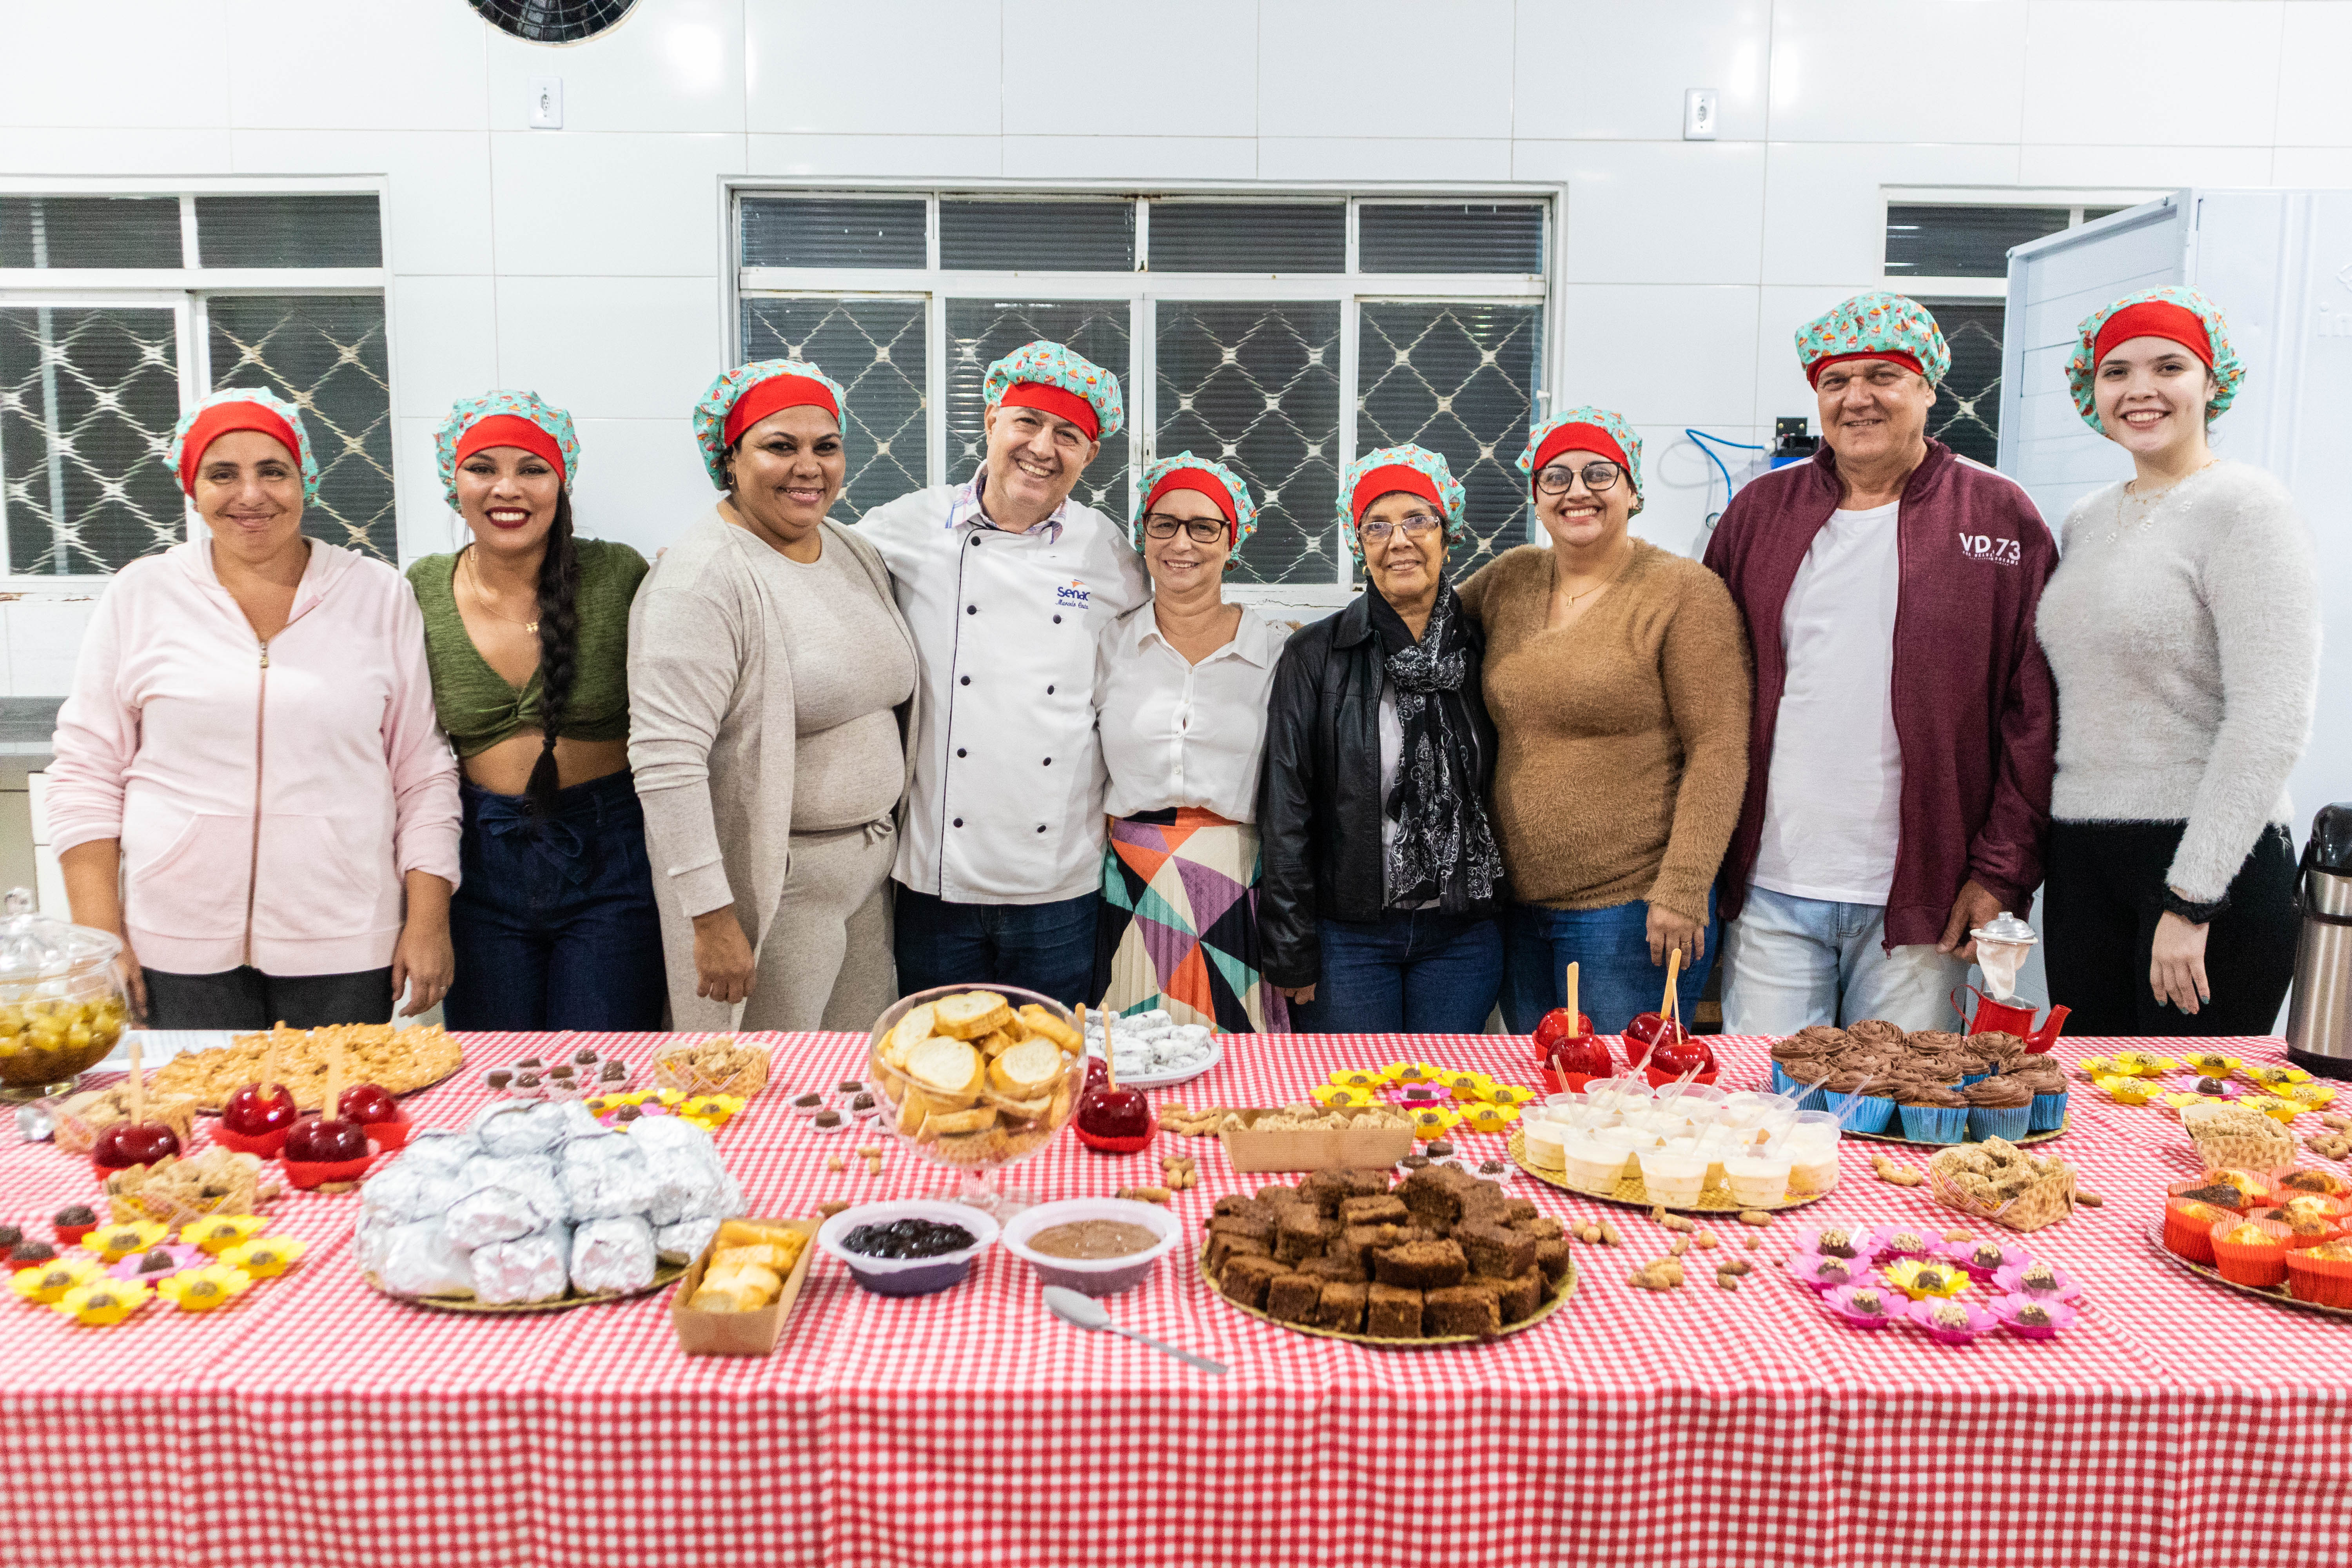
(1567,1044)
(1107,1112)
(327,1141)
(128,1143)
(365,1103)
(258,1109)
(1097,1074)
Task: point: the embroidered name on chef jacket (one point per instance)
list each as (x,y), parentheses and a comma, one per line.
(1073,595)
(1986,547)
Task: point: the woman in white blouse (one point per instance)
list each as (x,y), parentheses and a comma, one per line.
(1179,696)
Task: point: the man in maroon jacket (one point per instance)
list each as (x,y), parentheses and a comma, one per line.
(1900,752)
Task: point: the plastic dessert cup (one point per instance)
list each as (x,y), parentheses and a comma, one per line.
(1592,1163)
(1544,1143)
(1092,1276)
(907,1276)
(1757,1181)
(1672,1177)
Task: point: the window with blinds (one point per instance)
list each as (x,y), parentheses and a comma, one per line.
(91,387)
(1279,333)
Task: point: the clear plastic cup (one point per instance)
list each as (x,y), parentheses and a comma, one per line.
(1760,1180)
(1752,1108)
(1672,1176)
(1542,1142)
(1594,1164)
(1811,1145)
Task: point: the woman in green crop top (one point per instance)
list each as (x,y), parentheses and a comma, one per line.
(527,632)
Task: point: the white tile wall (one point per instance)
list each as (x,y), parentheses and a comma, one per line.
(137,63)
(1655,212)
(1611,352)
(85,149)
(2219,59)
(854,157)
(641,481)
(1131,157)
(1824,211)
(1390,69)
(444,334)
(1608,70)
(2314,43)
(43,635)
(399,65)
(930,66)
(438,201)
(610,348)
(1382,158)
(1842,69)
(674,64)
(605,205)
(1175,61)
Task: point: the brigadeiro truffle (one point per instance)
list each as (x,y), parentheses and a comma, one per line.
(10,1236)
(627,1113)
(528,1080)
(498,1077)
(826,1121)
(849,1086)
(584,1056)
(1440,1150)
(614,1071)
(24,1254)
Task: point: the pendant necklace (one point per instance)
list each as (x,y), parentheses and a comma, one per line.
(2143,507)
(473,575)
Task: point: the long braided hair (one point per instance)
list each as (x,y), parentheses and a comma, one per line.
(559,648)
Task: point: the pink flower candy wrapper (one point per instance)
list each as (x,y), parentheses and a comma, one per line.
(1840,1302)
(1828,1273)
(1923,1317)
(1894,1241)
(2010,1281)
(2062,1316)
(1964,1253)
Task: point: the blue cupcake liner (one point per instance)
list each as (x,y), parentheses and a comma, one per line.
(1873,1115)
(1969,1078)
(2006,1121)
(2049,1112)
(1783,1084)
(1936,1123)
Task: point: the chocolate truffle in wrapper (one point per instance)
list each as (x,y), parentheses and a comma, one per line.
(684,1242)
(508,1129)
(606,1177)
(533,1267)
(419,1261)
(615,1253)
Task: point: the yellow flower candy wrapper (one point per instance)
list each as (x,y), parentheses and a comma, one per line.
(1370,1079)
(222,1231)
(1509,1094)
(266,1256)
(1433,1122)
(202,1289)
(46,1285)
(116,1242)
(1340,1097)
(102,1303)
(1490,1117)
(1920,1278)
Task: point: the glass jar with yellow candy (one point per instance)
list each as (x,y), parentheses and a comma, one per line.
(62,1004)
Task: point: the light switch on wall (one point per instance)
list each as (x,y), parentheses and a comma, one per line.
(1698,114)
(547,103)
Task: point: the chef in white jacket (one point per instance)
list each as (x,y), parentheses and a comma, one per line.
(1007,584)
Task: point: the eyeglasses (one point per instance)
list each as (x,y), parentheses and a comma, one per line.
(1412,527)
(1202,529)
(1598,477)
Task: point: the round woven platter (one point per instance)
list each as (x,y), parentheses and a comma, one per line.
(1558,1299)
(1629,1191)
(2276,1295)
(664,1274)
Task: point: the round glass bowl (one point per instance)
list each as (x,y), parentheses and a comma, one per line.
(992,1118)
(62,1005)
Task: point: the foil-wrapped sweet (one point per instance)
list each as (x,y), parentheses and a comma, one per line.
(684,1241)
(613,1253)
(532,1176)
(440,1153)
(533,1267)
(418,1259)
(688,1181)
(605,1177)
(407,1190)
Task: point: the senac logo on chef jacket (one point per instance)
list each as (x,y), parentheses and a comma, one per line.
(1073,595)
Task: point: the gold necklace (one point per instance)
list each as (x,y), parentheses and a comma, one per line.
(481,595)
(2145,505)
(1572,599)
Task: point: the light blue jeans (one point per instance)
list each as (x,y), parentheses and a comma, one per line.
(1790,962)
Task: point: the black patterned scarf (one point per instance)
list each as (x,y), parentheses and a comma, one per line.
(1444,848)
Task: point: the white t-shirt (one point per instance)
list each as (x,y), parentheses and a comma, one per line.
(1175,734)
(1833,801)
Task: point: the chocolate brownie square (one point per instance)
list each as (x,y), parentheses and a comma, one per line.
(1240,1204)
(1343,1307)
(1519,1211)
(1460,1310)
(1366,1180)
(1393,1312)
(1250,1226)
(1493,1251)
(1324,1189)
(1355,1240)
(1345,1270)
(1518,1297)
(1221,1247)
(1303,1234)
(1278,1194)
(1421,1265)
(1293,1297)
(1245,1279)
(1384,1209)
(1552,1258)
(1543,1227)
(1434,1193)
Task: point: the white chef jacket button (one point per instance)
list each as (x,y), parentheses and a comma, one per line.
(972,609)
(975,542)
(1049,691)
(1049,761)
(967,680)
(1057,620)
(959,822)
(958,751)
(1041,827)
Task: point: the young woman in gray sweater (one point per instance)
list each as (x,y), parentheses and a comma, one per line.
(2183,629)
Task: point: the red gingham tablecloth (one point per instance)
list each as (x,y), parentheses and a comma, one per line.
(317,1423)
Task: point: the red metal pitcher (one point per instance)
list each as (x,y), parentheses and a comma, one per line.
(2009,1018)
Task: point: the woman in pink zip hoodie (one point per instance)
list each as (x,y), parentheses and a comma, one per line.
(249,787)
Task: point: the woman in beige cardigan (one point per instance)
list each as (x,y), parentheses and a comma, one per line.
(768,664)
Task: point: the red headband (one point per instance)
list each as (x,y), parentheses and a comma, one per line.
(511,430)
(1056,400)
(224,417)
(2155,319)
(1204,481)
(1577,438)
(1907,361)
(772,395)
(1388,479)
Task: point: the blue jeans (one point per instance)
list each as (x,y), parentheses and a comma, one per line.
(1045,948)
(554,921)
(1420,971)
(1789,961)
(1610,949)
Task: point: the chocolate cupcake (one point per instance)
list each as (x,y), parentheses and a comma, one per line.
(1877,1030)
(1998,1107)
(1932,1113)
(2000,1044)
(1864,1112)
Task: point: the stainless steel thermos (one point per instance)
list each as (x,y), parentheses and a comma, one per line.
(2319,1016)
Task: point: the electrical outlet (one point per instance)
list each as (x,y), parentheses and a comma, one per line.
(1698,114)
(547,103)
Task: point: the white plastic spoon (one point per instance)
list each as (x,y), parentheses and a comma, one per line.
(1086,1312)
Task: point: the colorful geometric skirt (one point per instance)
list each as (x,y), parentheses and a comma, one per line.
(1179,926)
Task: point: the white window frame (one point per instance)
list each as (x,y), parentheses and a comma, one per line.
(187,289)
(2074,198)
(1144,290)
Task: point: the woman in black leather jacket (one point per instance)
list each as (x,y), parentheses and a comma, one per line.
(1381,882)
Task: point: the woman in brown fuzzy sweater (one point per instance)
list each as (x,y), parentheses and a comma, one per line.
(1618,675)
